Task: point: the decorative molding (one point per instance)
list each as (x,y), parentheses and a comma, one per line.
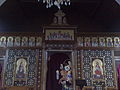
(84,67)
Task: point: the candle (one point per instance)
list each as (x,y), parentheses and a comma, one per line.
(57,74)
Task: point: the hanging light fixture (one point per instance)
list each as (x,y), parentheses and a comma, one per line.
(57,3)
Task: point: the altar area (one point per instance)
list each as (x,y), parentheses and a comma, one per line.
(57,57)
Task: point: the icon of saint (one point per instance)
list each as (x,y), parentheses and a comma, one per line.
(97,69)
(109,43)
(102,42)
(21,68)
(31,41)
(94,42)
(24,41)
(20,72)
(3,42)
(17,41)
(87,42)
(10,42)
(116,43)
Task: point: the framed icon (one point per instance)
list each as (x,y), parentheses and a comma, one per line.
(87,42)
(80,41)
(116,42)
(10,41)
(94,41)
(59,34)
(3,41)
(31,41)
(97,68)
(17,41)
(38,41)
(24,41)
(109,42)
(102,41)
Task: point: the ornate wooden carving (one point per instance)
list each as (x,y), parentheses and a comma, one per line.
(59,18)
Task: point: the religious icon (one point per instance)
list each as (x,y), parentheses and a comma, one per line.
(32,41)
(38,41)
(67,36)
(94,42)
(101,41)
(3,41)
(21,68)
(87,42)
(66,76)
(59,35)
(54,36)
(97,69)
(24,41)
(109,42)
(116,42)
(17,41)
(10,41)
(49,37)
(80,41)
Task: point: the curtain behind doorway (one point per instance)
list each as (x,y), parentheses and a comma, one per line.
(53,64)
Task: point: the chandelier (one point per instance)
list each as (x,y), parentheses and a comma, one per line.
(58,3)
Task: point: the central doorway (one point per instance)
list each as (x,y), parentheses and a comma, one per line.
(54,61)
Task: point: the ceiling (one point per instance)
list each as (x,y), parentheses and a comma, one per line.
(87,15)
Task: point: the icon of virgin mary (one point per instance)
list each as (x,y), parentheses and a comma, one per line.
(21,68)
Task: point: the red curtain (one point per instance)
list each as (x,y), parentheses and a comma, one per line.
(0,75)
(119,76)
(53,65)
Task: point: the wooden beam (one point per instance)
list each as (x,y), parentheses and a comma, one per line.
(1,2)
(118,1)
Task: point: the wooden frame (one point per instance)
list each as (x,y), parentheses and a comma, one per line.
(18,38)
(2,73)
(44,62)
(61,32)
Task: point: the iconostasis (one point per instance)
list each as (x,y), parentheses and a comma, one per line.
(22,62)
(23,58)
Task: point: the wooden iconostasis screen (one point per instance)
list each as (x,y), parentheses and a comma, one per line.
(1,71)
(2,59)
(98,41)
(97,68)
(23,68)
